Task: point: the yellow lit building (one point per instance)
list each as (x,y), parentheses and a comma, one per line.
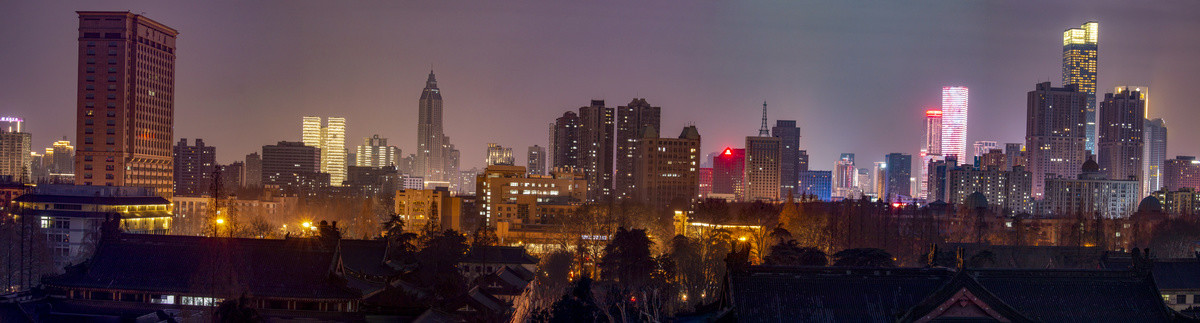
(417,207)
(331,139)
(1080,46)
(71,215)
(508,194)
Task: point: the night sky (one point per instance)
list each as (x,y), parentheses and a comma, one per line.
(856,75)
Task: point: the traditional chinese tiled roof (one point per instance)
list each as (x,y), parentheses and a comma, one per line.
(203,266)
(833,294)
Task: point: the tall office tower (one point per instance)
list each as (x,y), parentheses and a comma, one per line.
(815,183)
(801,161)
(984,146)
(666,175)
(287,164)
(1055,133)
(728,172)
(596,149)
(375,152)
(126,101)
(899,174)
(1155,153)
(762,169)
(1014,155)
(430,162)
(632,120)
(499,155)
(566,141)
(16,159)
(789,167)
(954,121)
(1119,139)
(331,140)
(1079,68)
(536,160)
(194,166)
(993,160)
(253,176)
(706,182)
(878,178)
(931,147)
(1181,172)
(843,176)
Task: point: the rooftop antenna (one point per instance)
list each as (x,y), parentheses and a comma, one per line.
(762,132)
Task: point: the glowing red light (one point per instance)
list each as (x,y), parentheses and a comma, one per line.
(728,151)
(897,204)
(933,113)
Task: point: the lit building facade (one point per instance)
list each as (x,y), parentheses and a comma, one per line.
(954,121)
(762,169)
(728,171)
(1181,172)
(1007,192)
(430,161)
(1055,133)
(816,183)
(1120,140)
(706,181)
(844,181)
(1091,193)
(1154,153)
(194,167)
(16,159)
(126,101)
(596,149)
(254,172)
(1080,47)
(375,152)
(418,207)
(1014,155)
(71,215)
(499,155)
(564,147)
(331,140)
(984,146)
(535,160)
(994,159)
(931,147)
(632,121)
(667,172)
(507,194)
(286,164)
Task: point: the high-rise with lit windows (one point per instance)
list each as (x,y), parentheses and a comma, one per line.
(125,102)
(1079,68)
(375,152)
(666,174)
(1120,139)
(331,140)
(931,147)
(1055,136)
(15,150)
(954,121)
(632,121)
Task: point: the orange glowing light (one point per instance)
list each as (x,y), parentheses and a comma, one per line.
(933,113)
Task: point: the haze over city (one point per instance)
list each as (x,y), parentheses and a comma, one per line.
(856,77)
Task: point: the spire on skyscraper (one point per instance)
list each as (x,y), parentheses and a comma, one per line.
(431,83)
(763,132)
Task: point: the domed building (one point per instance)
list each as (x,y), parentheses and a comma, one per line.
(1090,193)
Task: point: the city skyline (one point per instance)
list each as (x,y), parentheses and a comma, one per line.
(721,100)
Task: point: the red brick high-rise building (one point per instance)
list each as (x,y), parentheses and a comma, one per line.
(126,101)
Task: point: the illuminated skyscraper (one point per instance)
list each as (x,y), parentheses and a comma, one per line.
(632,121)
(536,160)
(1155,155)
(431,157)
(15,150)
(331,140)
(931,148)
(375,152)
(728,171)
(564,151)
(844,175)
(1079,68)
(499,155)
(762,168)
(194,167)
(1120,140)
(1055,136)
(954,121)
(126,101)
(596,149)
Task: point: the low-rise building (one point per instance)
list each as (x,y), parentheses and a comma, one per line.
(418,207)
(71,215)
(1091,193)
(508,194)
(1007,192)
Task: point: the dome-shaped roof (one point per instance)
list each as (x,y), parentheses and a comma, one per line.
(977,201)
(1150,204)
(1090,166)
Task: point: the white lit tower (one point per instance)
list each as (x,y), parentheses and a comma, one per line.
(954,121)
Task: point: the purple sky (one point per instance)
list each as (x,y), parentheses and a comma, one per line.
(857,76)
